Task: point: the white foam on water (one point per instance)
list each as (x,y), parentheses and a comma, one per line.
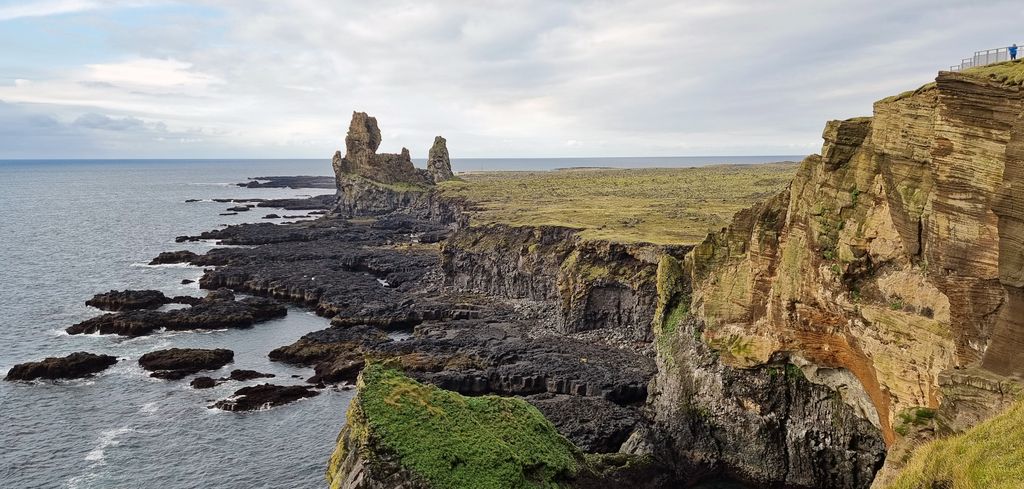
(106,440)
(149,407)
(163,265)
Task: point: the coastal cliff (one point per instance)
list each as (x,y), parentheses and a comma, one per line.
(872,305)
(891,269)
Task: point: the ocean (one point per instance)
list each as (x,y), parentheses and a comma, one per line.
(71,229)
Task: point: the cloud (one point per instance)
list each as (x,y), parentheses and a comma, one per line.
(636,77)
(42,8)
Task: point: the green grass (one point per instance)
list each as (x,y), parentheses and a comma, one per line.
(1008,72)
(988,456)
(656,205)
(453,441)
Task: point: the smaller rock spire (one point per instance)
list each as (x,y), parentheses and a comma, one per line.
(439,167)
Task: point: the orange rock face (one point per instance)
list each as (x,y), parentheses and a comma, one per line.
(895,257)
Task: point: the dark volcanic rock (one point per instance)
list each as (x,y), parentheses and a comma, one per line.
(217,311)
(176,363)
(316,202)
(229,213)
(203,383)
(264,396)
(239,208)
(73,366)
(187,281)
(169,257)
(128,300)
(242,375)
(301,181)
(193,200)
(271,216)
(591,423)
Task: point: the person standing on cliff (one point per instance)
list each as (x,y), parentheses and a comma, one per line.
(1013,51)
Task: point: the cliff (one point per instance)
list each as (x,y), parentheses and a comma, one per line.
(873,304)
(892,268)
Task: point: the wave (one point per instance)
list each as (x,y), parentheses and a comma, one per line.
(106,440)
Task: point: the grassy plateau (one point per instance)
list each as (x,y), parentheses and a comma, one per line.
(656,205)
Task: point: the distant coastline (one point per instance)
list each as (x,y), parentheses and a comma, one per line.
(467,164)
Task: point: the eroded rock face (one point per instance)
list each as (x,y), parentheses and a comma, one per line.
(894,257)
(439,166)
(73,366)
(596,285)
(768,426)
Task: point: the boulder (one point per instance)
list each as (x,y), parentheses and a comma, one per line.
(176,363)
(74,366)
(264,396)
(128,300)
(169,257)
(242,375)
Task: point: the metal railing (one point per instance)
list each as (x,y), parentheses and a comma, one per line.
(987,57)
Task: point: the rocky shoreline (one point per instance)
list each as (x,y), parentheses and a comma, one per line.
(745,357)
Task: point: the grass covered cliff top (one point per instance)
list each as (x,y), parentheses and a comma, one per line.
(989,455)
(452,441)
(657,205)
(1008,72)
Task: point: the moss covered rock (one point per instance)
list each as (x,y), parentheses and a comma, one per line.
(403,433)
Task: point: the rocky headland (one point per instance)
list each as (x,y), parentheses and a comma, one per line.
(868,306)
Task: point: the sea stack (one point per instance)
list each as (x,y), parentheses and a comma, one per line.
(439,166)
(361,158)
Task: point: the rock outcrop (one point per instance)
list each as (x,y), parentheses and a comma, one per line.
(132,300)
(219,310)
(73,366)
(361,158)
(439,166)
(371,184)
(264,396)
(177,363)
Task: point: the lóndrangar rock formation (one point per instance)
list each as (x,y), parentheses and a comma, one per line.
(371,183)
(439,166)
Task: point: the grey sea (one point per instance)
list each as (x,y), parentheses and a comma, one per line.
(70,229)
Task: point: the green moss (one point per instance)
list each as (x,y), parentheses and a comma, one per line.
(990,455)
(452,441)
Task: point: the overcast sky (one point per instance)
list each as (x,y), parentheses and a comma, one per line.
(280,78)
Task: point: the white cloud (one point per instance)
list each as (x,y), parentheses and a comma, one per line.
(42,8)
(635,77)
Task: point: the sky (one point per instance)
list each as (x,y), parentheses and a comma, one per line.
(530,78)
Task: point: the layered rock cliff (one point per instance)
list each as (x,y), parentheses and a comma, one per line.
(892,268)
